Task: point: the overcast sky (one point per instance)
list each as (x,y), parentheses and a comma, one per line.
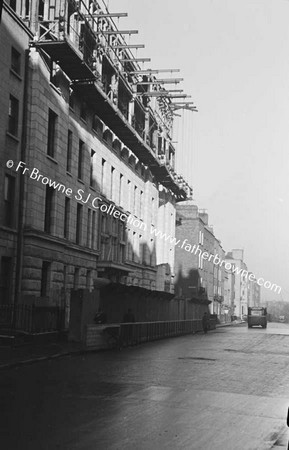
(234,58)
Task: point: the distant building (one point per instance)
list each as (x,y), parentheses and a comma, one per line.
(219,279)
(235,258)
(197,277)
(257,294)
(229,292)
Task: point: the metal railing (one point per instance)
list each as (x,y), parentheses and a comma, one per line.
(140,332)
(31,318)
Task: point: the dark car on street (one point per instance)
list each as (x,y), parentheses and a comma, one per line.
(257,316)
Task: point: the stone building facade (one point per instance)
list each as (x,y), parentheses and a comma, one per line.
(229,292)
(254,292)
(236,259)
(94,171)
(257,294)
(14,41)
(197,276)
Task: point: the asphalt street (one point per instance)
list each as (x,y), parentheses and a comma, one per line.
(225,390)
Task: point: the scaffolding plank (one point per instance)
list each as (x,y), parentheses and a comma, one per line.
(70,61)
(113,118)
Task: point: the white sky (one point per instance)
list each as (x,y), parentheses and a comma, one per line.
(234,58)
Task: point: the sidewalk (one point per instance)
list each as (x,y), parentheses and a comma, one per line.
(16,356)
(227,324)
(31,353)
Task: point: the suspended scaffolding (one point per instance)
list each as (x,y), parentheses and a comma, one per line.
(84,40)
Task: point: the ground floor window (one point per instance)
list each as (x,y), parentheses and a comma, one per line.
(45,273)
(5,280)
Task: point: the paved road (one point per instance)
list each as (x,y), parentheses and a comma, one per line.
(228,390)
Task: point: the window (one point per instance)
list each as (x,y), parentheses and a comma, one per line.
(134,247)
(55,74)
(152,254)
(128,195)
(41,9)
(104,224)
(96,124)
(71,99)
(83,111)
(112,171)
(129,247)
(107,137)
(140,249)
(15,61)
(79,223)
(160,144)
(48,209)
(135,200)
(153,211)
(114,249)
(69,151)
(76,278)
(45,278)
(88,231)
(120,189)
(65,277)
(52,119)
(122,232)
(103,174)
(9,192)
(121,253)
(26,9)
(141,205)
(13,115)
(122,239)
(66,217)
(103,248)
(92,181)
(5,279)
(12,4)
(89,279)
(80,159)
(114,226)
(93,230)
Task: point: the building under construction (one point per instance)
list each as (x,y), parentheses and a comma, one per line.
(89,132)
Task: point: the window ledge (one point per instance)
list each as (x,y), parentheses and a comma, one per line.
(15,74)
(80,181)
(97,133)
(12,136)
(69,173)
(55,88)
(8,229)
(51,159)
